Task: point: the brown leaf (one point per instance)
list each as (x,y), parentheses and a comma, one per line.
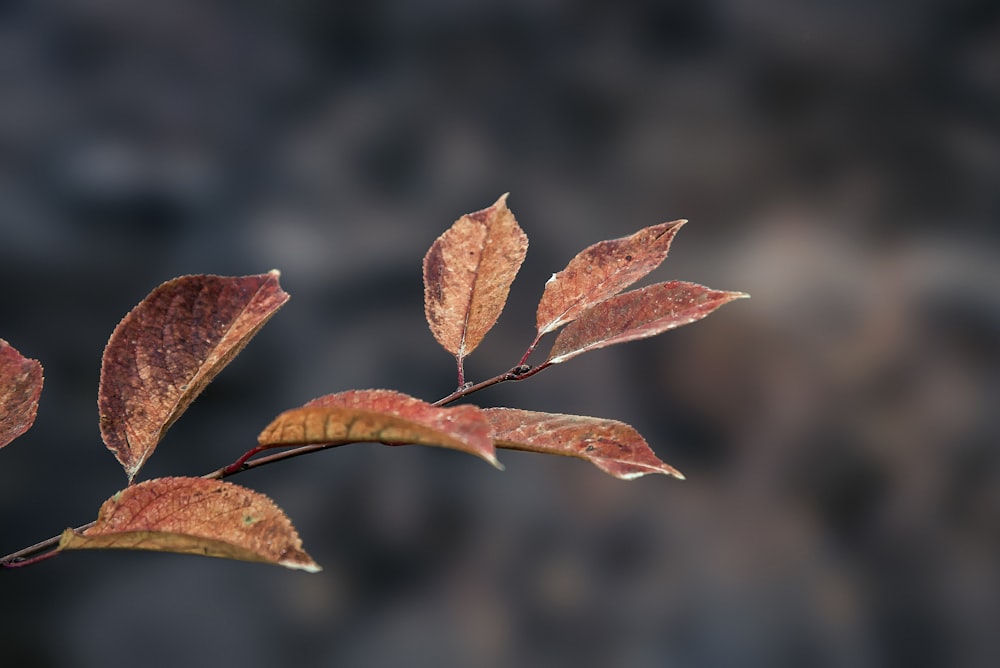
(612,446)
(20,388)
(381,416)
(168,348)
(467,275)
(601,271)
(194,516)
(636,315)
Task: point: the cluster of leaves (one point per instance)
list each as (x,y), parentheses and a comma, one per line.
(173,343)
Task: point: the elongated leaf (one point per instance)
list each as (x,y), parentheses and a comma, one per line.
(612,446)
(467,275)
(601,271)
(20,388)
(194,516)
(168,348)
(636,315)
(382,416)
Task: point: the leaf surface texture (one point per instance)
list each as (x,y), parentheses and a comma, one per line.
(194,516)
(467,276)
(638,314)
(20,388)
(614,447)
(381,416)
(168,348)
(601,271)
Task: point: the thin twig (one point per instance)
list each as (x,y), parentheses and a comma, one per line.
(519,372)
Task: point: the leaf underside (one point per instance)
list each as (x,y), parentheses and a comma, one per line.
(168,348)
(614,447)
(467,272)
(381,416)
(194,516)
(20,388)
(601,271)
(638,314)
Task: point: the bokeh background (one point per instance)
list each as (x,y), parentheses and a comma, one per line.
(840,161)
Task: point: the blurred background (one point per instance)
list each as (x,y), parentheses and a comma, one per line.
(839,161)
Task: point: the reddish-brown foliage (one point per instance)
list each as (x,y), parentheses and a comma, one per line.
(20,388)
(381,416)
(174,342)
(467,275)
(168,348)
(194,516)
(638,314)
(601,271)
(612,446)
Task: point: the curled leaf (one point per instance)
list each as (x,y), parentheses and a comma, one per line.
(20,389)
(638,314)
(381,416)
(614,447)
(467,275)
(601,271)
(168,348)
(194,516)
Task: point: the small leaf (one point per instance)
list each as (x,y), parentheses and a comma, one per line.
(20,389)
(612,446)
(636,315)
(168,348)
(601,271)
(381,416)
(194,516)
(467,275)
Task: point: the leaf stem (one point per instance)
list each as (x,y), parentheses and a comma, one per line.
(531,349)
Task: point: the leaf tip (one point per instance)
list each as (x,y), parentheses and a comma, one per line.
(309,566)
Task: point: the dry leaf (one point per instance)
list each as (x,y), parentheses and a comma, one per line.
(636,315)
(601,271)
(194,516)
(612,446)
(467,275)
(20,388)
(382,416)
(168,348)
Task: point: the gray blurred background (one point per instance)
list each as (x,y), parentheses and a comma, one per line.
(839,161)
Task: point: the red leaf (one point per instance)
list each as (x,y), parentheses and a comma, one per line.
(467,275)
(601,271)
(20,388)
(612,446)
(636,315)
(168,348)
(381,416)
(194,516)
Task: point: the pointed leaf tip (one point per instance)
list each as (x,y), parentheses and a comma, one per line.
(638,314)
(20,389)
(614,447)
(195,516)
(601,271)
(468,271)
(168,348)
(382,416)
